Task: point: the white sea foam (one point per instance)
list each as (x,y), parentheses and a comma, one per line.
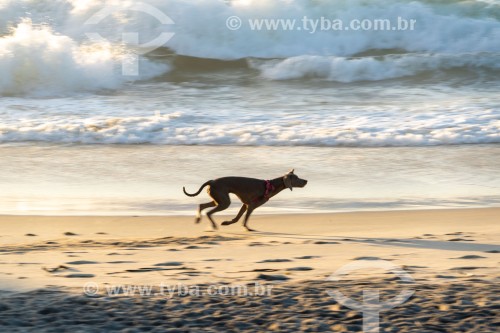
(36,61)
(350,127)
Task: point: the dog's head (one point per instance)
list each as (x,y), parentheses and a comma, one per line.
(291,180)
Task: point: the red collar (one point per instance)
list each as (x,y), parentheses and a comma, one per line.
(267,194)
(269,190)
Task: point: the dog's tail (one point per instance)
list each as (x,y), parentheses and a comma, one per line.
(195,194)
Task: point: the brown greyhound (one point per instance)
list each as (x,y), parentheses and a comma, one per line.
(252,192)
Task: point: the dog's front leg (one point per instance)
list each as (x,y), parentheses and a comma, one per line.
(237,218)
(251,207)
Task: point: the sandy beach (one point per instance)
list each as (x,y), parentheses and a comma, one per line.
(167,274)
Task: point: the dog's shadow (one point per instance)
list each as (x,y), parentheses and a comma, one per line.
(395,242)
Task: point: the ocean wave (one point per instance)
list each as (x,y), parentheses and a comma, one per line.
(371,68)
(53,55)
(458,26)
(352,128)
(36,61)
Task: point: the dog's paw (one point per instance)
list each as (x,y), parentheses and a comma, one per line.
(226,223)
(197,220)
(248,229)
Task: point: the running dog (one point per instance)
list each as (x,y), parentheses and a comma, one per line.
(252,192)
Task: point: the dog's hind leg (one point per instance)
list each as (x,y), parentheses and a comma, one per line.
(202,207)
(237,218)
(222,203)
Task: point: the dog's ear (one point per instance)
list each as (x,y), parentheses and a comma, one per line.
(291,171)
(288,182)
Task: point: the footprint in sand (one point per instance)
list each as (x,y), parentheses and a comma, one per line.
(169,263)
(308,257)
(472,256)
(30,235)
(413,267)
(268,270)
(299,269)
(195,273)
(57,269)
(466,268)
(155,269)
(274,260)
(69,233)
(440,276)
(82,262)
(79,276)
(121,262)
(258,244)
(309,241)
(196,247)
(325,242)
(145,269)
(371,258)
(272,277)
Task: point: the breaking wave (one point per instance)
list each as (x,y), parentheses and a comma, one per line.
(45,49)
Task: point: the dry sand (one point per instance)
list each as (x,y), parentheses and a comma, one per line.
(49,263)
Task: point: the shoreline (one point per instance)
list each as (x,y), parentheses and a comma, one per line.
(257,213)
(44,180)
